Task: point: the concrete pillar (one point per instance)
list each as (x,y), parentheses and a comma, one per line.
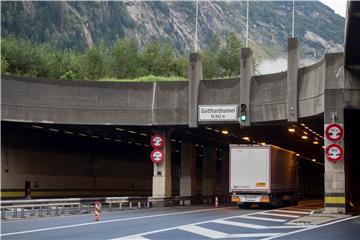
(292,80)
(224,182)
(335,199)
(195,75)
(209,171)
(162,172)
(188,169)
(246,70)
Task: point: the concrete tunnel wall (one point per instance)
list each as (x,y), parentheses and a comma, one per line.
(162,103)
(72,166)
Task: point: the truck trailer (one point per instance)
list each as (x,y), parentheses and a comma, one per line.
(266,175)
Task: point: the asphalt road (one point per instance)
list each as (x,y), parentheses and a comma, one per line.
(183,223)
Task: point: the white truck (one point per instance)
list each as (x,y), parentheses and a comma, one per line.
(263,175)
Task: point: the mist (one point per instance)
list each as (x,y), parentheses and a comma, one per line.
(268,66)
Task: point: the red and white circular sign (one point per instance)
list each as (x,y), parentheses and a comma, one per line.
(334,132)
(157,156)
(334,152)
(157,141)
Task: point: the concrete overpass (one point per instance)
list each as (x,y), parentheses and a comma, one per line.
(325,91)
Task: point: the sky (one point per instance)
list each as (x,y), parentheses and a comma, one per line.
(339,6)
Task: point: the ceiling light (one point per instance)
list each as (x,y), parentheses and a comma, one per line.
(225,132)
(315,142)
(302,124)
(297,154)
(305,133)
(54,129)
(291,130)
(246,138)
(36,126)
(304,137)
(314,160)
(263,143)
(69,132)
(120,129)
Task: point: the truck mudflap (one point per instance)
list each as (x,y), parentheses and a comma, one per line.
(250,198)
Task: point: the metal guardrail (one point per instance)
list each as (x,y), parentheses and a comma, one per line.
(56,207)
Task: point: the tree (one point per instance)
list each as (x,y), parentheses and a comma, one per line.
(95,62)
(125,58)
(211,66)
(229,58)
(158,58)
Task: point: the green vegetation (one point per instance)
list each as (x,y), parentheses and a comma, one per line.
(123,61)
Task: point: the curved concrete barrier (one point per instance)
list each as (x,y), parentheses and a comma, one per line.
(163,103)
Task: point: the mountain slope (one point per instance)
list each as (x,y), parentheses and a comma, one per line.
(81,24)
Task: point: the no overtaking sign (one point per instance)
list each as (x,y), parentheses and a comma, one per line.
(334,132)
(334,152)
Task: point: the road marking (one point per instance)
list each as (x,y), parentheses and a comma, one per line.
(288,211)
(279,215)
(310,228)
(218,235)
(239,224)
(254,226)
(263,219)
(249,235)
(109,221)
(135,236)
(204,232)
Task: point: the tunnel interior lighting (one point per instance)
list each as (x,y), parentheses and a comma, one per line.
(225,132)
(117,140)
(68,132)
(36,126)
(291,130)
(82,134)
(246,138)
(315,142)
(305,133)
(304,137)
(119,129)
(54,129)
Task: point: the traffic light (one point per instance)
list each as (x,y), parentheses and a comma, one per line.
(243,113)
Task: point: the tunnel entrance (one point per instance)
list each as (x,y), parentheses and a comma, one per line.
(352,163)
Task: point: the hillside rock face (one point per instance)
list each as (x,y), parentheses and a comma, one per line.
(79,25)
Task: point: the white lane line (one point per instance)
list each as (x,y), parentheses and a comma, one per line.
(204,232)
(263,219)
(310,228)
(254,226)
(288,211)
(280,215)
(109,221)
